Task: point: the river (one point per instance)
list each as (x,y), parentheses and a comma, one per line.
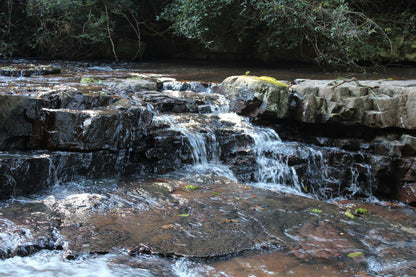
(234,207)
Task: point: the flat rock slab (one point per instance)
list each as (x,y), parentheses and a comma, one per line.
(207,217)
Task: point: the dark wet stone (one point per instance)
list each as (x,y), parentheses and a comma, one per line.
(79,101)
(22,174)
(92,130)
(20,121)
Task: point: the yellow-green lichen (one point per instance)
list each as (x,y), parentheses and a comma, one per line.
(271,80)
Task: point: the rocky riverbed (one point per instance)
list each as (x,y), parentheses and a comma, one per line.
(159,174)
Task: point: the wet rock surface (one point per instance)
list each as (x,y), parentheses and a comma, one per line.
(61,145)
(210,217)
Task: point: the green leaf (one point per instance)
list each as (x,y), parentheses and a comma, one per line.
(355,254)
(191,187)
(316,211)
(349,214)
(361,211)
(184,215)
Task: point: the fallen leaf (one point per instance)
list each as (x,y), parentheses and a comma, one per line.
(191,187)
(361,211)
(183,215)
(316,211)
(349,214)
(168,226)
(355,254)
(258,208)
(229,220)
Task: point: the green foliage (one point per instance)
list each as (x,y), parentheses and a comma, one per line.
(62,26)
(337,33)
(71,28)
(346,33)
(209,21)
(318,211)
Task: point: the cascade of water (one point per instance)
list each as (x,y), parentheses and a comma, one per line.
(278,164)
(270,157)
(202,140)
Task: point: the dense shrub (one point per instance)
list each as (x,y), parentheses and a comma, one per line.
(71,28)
(337,33)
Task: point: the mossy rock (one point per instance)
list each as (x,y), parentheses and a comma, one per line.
(252,95)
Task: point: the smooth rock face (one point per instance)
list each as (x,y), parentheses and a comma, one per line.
(134,85)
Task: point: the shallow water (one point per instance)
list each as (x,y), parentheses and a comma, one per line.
(102,202)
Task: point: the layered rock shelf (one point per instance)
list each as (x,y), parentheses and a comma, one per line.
(76,132)
(160,171)
(373,118)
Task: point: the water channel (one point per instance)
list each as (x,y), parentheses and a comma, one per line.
(245,214)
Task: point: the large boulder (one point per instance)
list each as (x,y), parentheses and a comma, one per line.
(252,95)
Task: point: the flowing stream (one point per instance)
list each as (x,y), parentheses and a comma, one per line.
(231,158)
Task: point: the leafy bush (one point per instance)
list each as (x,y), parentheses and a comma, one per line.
(71,28)
(337,34)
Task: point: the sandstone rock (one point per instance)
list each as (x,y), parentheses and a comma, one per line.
(252,96)
(134,85)
(376,104)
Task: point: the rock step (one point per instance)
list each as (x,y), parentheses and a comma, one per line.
(24,173)
(18,70)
